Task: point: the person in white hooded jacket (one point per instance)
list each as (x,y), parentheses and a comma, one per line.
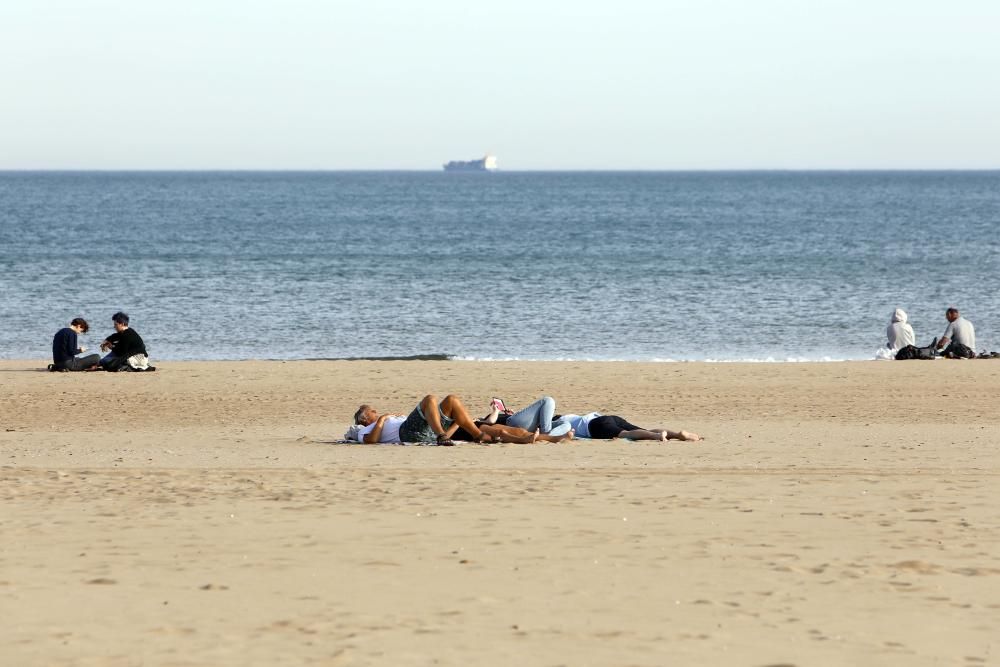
(899,333)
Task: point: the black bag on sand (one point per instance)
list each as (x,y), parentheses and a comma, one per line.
(913,352)
(959,351)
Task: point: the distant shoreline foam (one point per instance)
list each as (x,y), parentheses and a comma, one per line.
(653,360)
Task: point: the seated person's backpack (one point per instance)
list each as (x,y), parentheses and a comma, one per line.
(913,352)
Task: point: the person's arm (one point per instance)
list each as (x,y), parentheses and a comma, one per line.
(372,437)
(72,344)
(72,347)
(109,342)
(946,336)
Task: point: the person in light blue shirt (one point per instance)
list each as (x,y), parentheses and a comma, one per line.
(596,426)
(593,425)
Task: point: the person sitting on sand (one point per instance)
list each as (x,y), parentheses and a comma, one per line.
(125,348)
(608,427)
(959,339)
(899,333)
(65,349)
(430,421)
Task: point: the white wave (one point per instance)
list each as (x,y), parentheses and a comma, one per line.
(709,360)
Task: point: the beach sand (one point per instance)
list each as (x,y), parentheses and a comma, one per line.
(836,514)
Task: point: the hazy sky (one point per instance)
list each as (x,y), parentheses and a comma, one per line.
(624,84)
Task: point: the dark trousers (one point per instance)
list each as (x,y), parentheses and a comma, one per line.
(607,427)
(958,351)
(82,363)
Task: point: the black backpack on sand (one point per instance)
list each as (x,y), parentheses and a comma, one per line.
(913,352)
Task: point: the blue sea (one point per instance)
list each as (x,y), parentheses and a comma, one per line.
(576,265)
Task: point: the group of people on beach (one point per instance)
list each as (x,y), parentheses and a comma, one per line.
(957,342)
(445,421)
(125,348)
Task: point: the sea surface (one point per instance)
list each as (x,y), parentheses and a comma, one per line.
(576,265)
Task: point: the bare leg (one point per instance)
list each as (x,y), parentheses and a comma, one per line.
(640,434)
(661,435)
(493,416)
(501,433)
(556,438)
(680,435)
(452,407)
(429,406)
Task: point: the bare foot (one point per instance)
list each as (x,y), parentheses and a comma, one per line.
(689,436)
(565,436)
(534,436)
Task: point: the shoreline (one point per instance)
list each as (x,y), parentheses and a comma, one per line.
(459,358)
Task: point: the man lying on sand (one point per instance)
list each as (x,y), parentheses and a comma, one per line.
(433,421)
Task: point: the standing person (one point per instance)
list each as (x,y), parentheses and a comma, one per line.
(125,349)
(959,339)
(899,333)
(65,348)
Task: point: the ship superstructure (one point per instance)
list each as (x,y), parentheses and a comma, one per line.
(486,163)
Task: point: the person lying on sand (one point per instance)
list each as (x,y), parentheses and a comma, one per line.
(608,427)
(537,416)
(594,425)
(431,421)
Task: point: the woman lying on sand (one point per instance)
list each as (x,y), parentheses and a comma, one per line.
(608,427)
(595,425)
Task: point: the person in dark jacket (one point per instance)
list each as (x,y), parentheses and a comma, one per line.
(122,345)
(65,348)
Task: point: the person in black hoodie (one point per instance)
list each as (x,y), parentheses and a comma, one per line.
(122,345)
(65,347)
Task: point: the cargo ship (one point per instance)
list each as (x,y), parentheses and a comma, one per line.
(487,163)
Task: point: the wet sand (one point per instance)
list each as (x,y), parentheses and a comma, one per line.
(836,514)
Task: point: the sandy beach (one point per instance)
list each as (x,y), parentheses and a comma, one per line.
(836,514)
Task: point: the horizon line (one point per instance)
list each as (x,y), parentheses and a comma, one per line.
(16,170)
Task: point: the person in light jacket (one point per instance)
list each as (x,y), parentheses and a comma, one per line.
(899,332)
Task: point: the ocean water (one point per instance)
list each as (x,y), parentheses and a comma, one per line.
(615,265)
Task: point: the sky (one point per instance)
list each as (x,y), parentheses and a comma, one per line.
(374,84)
